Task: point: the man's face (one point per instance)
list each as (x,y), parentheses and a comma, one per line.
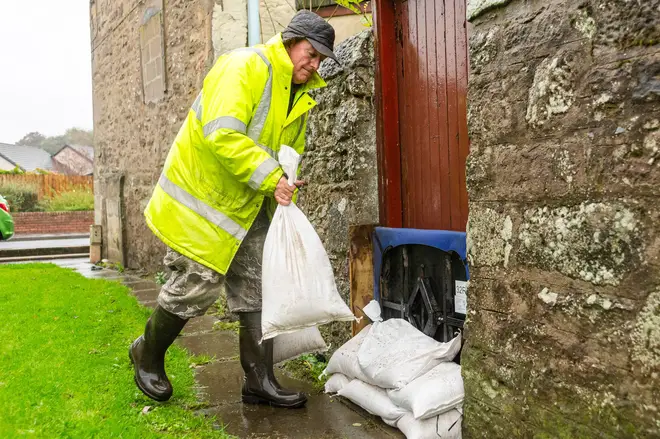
(305,61)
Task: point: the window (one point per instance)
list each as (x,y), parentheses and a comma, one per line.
(152,54)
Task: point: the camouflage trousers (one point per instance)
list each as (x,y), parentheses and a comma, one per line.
(192,287)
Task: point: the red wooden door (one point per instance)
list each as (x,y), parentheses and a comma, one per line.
(431,61)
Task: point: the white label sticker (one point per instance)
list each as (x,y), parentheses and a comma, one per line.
(460,299)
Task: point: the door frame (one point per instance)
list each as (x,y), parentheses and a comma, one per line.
(387,115)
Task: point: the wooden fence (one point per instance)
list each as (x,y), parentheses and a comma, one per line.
(49,185)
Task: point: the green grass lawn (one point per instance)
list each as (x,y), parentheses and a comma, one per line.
(64,368)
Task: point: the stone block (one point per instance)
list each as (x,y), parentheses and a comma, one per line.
(229,28)
(478,7)
(596,242)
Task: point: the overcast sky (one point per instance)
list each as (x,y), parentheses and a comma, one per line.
(45,67)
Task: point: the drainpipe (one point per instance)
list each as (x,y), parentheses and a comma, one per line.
(254,23)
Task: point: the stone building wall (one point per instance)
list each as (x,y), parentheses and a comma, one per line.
(563,333)
(132,137)
(274,16)
(340,163)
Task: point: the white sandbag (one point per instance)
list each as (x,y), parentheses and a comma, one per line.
(335,383)
(298,283)
(373,399)
(445,426)
(437,391)
(395,353)
(294,344)
(345,359)
(372,311)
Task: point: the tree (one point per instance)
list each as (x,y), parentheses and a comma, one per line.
(72,136)
(79,136)
(34,138)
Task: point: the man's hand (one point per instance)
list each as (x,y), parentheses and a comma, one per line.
(284,192)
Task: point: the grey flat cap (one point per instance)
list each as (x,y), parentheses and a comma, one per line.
(308,25)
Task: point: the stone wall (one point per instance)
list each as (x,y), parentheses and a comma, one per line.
(132,138)
(563,333)
(340,163)
(275,15)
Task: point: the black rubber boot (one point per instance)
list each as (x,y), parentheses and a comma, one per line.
(260,385)
(147,353)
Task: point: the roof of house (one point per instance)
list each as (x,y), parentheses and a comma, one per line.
(68,164)
(29,158)
(84,150)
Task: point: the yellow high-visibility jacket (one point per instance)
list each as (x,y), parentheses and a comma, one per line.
(223,162)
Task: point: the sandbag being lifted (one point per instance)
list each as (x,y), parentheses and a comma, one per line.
(298,283)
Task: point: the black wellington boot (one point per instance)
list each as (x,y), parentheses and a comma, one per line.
(260,385)
(147,353)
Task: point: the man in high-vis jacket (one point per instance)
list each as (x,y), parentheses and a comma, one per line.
(219,187)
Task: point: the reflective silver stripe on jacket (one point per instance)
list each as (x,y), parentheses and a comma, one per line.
(197,106)
(262,171)
(201,208)
(229,122)
(268,150)
(259,119)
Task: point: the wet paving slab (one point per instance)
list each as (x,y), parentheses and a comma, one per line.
(321,418)
(222,345)
(147,295)
(220,382)
(136,284)
(199,325)
(44,244)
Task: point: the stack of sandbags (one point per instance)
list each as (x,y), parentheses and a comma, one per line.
(395,371)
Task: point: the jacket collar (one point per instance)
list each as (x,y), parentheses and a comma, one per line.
(282,63)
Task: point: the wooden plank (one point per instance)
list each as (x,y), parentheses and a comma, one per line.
(361,271)
(444,186)
(452,116)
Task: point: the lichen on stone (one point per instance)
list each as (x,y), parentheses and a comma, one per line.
(646,336)
(585,24)
(489,236)
(477,7)
(563,165)
(552,91)
(548,297)
(483,48)
(595,242)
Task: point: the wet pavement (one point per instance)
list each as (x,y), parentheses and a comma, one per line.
(43,243)
(219,382)
(39,247)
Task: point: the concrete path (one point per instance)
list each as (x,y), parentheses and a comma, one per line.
(40,247)
(43,243)
(220,382)
(40,236)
